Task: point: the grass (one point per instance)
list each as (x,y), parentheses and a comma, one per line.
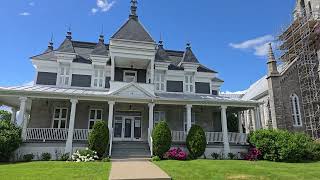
(228,169)
(55,170)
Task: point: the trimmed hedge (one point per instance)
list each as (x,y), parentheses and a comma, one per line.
(99,138)
(279,145)
(196,141)
(162,139)
(10,139)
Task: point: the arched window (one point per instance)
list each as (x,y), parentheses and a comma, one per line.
(296,113)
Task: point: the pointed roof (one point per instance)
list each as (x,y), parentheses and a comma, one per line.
(188,56)
(67,45)
(271,57)
(133,30)
(161,55)
(100,48)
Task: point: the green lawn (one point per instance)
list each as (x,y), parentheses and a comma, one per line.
(227,169)
(55,170)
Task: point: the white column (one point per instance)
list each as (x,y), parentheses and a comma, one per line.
(152,71)
(189,107)
(151,107)
(258,118)
(226,146)
(112,68)
(68,148)
(240,122)
(110,119)
(22,111)
(13,115)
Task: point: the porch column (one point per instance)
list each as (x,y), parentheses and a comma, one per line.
(188,106)
(13,115)
(21,117)
(112,68)
(110,119)
(71,126)
(152,71)
(258,118)
(240,122)
(254,119)
(151,107)
(226,146)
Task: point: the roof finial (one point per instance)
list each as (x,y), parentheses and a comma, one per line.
(188,44)
(50,45)
(133,9)
(101,37)
(69,33)
(160,41)
(271,54)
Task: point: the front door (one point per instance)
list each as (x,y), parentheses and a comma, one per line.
(127,128)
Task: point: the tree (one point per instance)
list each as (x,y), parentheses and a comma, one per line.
(99,138)
(5,115)
(161,136)
(10,139)
(196,141)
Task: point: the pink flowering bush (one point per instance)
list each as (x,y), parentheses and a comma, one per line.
(175,154)
(253,154)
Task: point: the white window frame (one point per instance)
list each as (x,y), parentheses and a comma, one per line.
(98,78)
(64,76)
(129,71)
(60,117)
(193,120)
(189,85)
(95,119)
(156,121)
(296,112)
(160,81)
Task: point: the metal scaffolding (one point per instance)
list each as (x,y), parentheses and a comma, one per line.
(299,43)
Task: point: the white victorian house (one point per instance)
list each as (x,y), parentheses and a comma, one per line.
(131,83)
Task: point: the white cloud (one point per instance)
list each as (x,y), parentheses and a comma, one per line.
(24,14)
(31,3)
(31,83)
(103,6)
(258,45)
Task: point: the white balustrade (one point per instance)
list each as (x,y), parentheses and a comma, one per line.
(81,134)
(53,134)
(212,137)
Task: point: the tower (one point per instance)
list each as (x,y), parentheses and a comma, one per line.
(307,8)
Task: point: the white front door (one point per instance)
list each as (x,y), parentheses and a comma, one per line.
(127,128)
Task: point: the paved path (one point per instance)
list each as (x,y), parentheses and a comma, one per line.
(124,170)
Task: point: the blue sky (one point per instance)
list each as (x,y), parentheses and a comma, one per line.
(228,36)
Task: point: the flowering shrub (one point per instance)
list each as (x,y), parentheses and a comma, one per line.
(253,154)
(86,155)
(175,154)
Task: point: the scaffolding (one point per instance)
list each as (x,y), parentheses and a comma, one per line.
(299,43)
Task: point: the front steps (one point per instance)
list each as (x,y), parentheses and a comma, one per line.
(130,150)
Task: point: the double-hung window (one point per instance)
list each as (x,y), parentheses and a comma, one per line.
(94,116)
(193,120)
(98,78)
(159,116)
(60,117)
(189,83)
(296,113)
(64,75)
(130,76)
(160,81)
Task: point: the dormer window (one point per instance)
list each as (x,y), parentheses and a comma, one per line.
(130,76)
(189,84)
(98,78)
(64,76)
(160,81)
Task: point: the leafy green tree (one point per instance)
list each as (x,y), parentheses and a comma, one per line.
(196,141)
(10,139)
(161,136)
(5,115)
(99,138)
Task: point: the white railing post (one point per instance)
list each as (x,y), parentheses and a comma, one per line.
(226,146)
(68,148)
(150,129)
(188,106)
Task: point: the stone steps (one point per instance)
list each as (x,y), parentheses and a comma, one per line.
(129,150)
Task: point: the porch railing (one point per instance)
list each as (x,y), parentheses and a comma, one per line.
(44,134)
(81,134)
(212,137)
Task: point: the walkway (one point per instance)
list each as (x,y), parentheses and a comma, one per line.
(124,170)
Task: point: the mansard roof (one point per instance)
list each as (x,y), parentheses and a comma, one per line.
(133,30)
(66,46)
(189,57)
(161,54)
(100,49)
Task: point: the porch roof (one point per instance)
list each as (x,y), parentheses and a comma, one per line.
(40,91)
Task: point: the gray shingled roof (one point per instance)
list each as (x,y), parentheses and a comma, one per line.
(100,49)
(217,79)
(133,30)
(66,46)
(189,57)
(161,54)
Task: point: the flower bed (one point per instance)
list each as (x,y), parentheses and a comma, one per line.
(175,154)
(86,155)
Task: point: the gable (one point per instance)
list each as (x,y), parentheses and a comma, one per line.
(132,91)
